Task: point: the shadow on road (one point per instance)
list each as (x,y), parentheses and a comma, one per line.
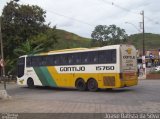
(120,90)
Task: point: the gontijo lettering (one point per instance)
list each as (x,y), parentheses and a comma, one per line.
(81,68)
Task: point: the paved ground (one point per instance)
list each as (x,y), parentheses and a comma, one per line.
(142,98)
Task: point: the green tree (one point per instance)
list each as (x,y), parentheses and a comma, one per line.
(48,39)
(27,49)
(108,35)
(19,23)
(10,66)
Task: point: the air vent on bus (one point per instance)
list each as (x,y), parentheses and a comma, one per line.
(109,80)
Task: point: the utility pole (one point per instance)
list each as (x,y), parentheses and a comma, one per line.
(143,45)
(143,33)
(2,56)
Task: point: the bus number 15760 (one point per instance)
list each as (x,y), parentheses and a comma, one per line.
(101,68)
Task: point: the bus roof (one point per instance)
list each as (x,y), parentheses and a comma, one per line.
(72,50)
(64,50)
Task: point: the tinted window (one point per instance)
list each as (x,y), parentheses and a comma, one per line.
(101,57)
(74,59)
(113,57)
(93,57)
(77,58)
(50,60)
(56,59)
(42,61)
(29,62)
(35,61)
(107,56)
(63,59)
(20,67)
(85,57)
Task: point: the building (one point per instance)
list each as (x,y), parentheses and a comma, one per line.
(152,57)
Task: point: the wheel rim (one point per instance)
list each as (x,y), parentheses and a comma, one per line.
(92,85)
(30,83)
(81,85)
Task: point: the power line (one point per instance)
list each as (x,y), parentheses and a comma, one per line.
(156,22)
(74,19)
(127,10)
(118,6)
(68,17)
(89,24)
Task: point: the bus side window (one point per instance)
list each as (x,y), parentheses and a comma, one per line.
(108,56)
(93,57)
(49,60)
(34,61)
(28,62)
(37,61)
(20,68)
(101,57)
(77,58)
(113,56)
(85,58)
(56,60)
(71,59)
(63,59)
(42,60)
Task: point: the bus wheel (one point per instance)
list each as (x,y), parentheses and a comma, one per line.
(81,85)
(92,85)
(30,83)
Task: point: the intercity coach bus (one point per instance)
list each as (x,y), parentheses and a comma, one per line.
(113,66)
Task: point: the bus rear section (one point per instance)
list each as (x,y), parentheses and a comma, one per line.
(128,66)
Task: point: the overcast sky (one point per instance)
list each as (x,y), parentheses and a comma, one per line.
(81,16)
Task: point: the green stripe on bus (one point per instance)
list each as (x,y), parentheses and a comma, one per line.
(44,76)
(41,76)
(48,76)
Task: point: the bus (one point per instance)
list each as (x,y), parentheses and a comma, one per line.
(107,67)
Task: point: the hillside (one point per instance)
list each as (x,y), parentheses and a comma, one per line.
(70,40)
(152,41)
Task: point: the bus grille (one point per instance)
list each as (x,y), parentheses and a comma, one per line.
(109,80)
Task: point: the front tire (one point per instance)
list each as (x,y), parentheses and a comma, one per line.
(81,85)
(30,83)
(92,85)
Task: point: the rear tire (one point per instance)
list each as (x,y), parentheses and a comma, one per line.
(92,85)
(30,83)
(81,85)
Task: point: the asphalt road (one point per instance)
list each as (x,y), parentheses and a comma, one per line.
(143,98)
